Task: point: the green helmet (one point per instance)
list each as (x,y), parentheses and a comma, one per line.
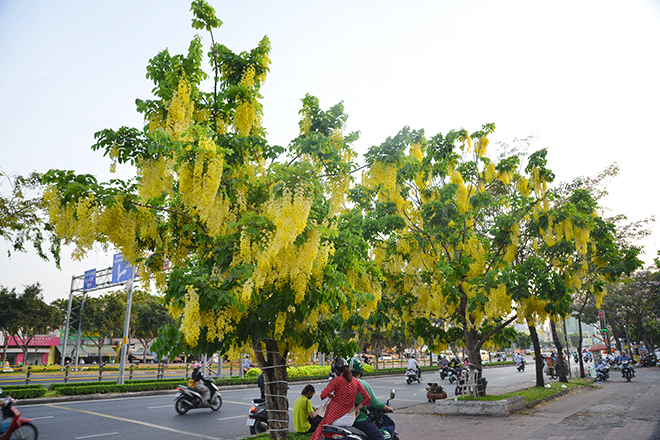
(355,364)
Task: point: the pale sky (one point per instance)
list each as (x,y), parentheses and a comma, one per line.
(582,77)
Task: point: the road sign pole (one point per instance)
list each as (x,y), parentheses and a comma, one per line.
(127,321)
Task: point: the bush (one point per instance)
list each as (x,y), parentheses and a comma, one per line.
(24,391)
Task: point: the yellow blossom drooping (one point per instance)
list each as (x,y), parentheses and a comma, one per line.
(481,145)
(180,111)
(244,117)
(191,321)
(490,172)
(416,152)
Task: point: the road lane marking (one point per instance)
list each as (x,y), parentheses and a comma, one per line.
(44,417)
(161,406)
(137,422)
(237,403)
(234,417)
(98,435)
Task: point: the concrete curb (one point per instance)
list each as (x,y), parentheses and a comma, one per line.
(83,397)
(494,408)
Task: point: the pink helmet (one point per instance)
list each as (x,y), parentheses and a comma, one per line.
(196,365)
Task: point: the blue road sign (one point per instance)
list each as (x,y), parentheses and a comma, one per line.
(121,271)
(90,279)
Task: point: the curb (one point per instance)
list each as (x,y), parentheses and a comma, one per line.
(84,397)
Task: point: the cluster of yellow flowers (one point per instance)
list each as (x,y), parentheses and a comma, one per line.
(191,320)
(180,111)
(462,193)
(155,177)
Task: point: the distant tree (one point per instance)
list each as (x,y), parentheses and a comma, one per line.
(22,215)
(103,315)
(34,317)
(8,317)
(151,314)
(523,340)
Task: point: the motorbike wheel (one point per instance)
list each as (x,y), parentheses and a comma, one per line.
(181,406)
(628,377)
(409,380)
(452,379)
(216,402)
(27,431)
(395,437)
(259,427)
(458,391)
(443,376)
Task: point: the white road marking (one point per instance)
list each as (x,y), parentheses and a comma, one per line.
(235,417)
(161,406)
(44,417)
(98,435)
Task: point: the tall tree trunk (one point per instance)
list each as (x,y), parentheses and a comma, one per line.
(273,365)
(538,359)
(473,345)
(560,353)
(580,360)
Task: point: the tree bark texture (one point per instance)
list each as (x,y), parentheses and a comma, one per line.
(561,365)
(537,355)
(273,365)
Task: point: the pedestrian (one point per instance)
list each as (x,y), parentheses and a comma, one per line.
(305,416)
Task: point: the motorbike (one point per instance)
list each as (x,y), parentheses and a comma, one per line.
(521,365)
(626,370)
(382,421)
(444,372)
(258,417)
(647,360)
(188,398)
(454,374)
(13,425)
(435,392)
(602,372)
(411,376)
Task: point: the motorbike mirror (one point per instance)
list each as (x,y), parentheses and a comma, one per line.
(392,393)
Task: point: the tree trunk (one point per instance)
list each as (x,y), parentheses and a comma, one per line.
(472,346)
(560,353)
(537,355)
(273,365)
(580,360)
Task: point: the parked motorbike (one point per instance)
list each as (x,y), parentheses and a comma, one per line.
(382,421)
(626,370)
(411,376)
(647,360)
(258,417)
(435,392)
(188,398)
(13,425)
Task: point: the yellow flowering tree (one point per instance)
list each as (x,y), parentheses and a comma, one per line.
(454,219)
(252,244)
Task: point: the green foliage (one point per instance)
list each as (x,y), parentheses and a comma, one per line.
(22,218)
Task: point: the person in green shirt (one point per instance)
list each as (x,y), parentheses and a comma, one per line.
(305,416)
(363,422)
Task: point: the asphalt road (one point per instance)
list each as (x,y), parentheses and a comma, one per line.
(154,417)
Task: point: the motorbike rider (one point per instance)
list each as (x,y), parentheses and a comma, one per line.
(625,358)
(413,365)
(444,362)
(519,358)
(363,422)
(198,377)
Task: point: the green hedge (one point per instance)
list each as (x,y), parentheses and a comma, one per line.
(24,391)
(104,388)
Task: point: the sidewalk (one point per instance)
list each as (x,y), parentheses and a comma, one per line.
(618,410)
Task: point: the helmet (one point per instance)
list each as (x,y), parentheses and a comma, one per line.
(355,364)
(196,365)
(339,362)
(413,356)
